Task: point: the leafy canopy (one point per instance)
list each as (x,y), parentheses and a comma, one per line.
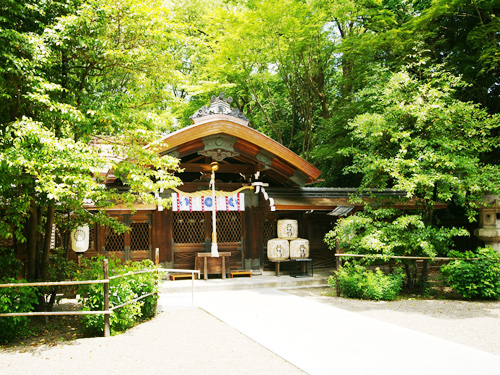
(418,138)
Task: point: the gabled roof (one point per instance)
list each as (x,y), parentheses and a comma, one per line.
(222,134)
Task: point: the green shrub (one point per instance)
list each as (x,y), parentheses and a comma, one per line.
(474,279)
(350,280)
(10,266)
(380,286)
(121,290)
(145,283)
(358,282)
(13,300)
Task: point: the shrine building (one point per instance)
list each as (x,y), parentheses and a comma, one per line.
(266,181)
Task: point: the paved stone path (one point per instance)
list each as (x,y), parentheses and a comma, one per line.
(322,339)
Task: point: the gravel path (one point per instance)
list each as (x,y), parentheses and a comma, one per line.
(186,341)
(193,341)
(475,324)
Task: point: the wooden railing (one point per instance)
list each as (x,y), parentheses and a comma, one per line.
(107,310)
(381,256)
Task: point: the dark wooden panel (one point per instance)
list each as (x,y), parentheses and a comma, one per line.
(322,257)
(236,250)
(167,236)
(184,254)
(140,255)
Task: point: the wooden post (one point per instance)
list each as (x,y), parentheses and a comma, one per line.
(107,331)
(338,264)
(223,267)
(157,263)
(192,287)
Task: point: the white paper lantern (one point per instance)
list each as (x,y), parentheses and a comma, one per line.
(80,239)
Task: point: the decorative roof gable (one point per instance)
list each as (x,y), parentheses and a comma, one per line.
(218,106)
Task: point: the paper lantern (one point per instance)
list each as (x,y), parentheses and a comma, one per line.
(80,239)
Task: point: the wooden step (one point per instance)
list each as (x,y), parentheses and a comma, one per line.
(240,273)
(175,276)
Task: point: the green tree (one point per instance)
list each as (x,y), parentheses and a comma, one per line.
(381,232)
(463,35)
(419,139)
(273,58)
(85,87)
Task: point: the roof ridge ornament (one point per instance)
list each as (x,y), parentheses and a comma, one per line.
(219,105)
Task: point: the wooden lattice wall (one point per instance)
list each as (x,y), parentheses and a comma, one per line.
(228,226)
(192,234)
(134,244)
(189,227)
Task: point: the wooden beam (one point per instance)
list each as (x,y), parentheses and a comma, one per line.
(223,168)
(190,147)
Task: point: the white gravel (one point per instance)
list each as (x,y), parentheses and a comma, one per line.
(188,341)
(191,341)
(475,324)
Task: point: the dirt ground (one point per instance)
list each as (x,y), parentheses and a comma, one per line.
(50,330)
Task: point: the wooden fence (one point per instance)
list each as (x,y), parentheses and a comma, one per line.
(107,310)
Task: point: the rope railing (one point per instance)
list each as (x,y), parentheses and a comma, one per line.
(54,283)
(107,311)
(399,257)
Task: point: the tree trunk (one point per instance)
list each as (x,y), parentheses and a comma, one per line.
(424,276)
(428,214)
(32,241)
(44,264)
(411,274)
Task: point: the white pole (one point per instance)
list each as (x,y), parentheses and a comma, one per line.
(215,252)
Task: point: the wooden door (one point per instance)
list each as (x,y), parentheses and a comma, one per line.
(134,244)
(192,232)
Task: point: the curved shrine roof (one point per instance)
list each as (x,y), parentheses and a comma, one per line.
(222,134)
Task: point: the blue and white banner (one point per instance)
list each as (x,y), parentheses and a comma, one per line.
(234,202)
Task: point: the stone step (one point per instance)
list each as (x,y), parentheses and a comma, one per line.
(266,280)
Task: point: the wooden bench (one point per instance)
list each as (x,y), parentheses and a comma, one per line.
(240,273)
(175,276)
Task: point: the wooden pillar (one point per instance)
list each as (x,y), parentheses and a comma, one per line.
(100,234)
(107,330)
(168,235)
(162,234)
(247,233)
(254,235)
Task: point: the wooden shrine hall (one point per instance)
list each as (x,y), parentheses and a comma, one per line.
(271,182)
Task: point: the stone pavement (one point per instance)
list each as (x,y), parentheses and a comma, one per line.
(322,339)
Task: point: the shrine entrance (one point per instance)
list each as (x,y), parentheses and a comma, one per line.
(192,234)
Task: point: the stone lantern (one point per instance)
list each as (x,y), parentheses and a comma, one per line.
(489,222)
